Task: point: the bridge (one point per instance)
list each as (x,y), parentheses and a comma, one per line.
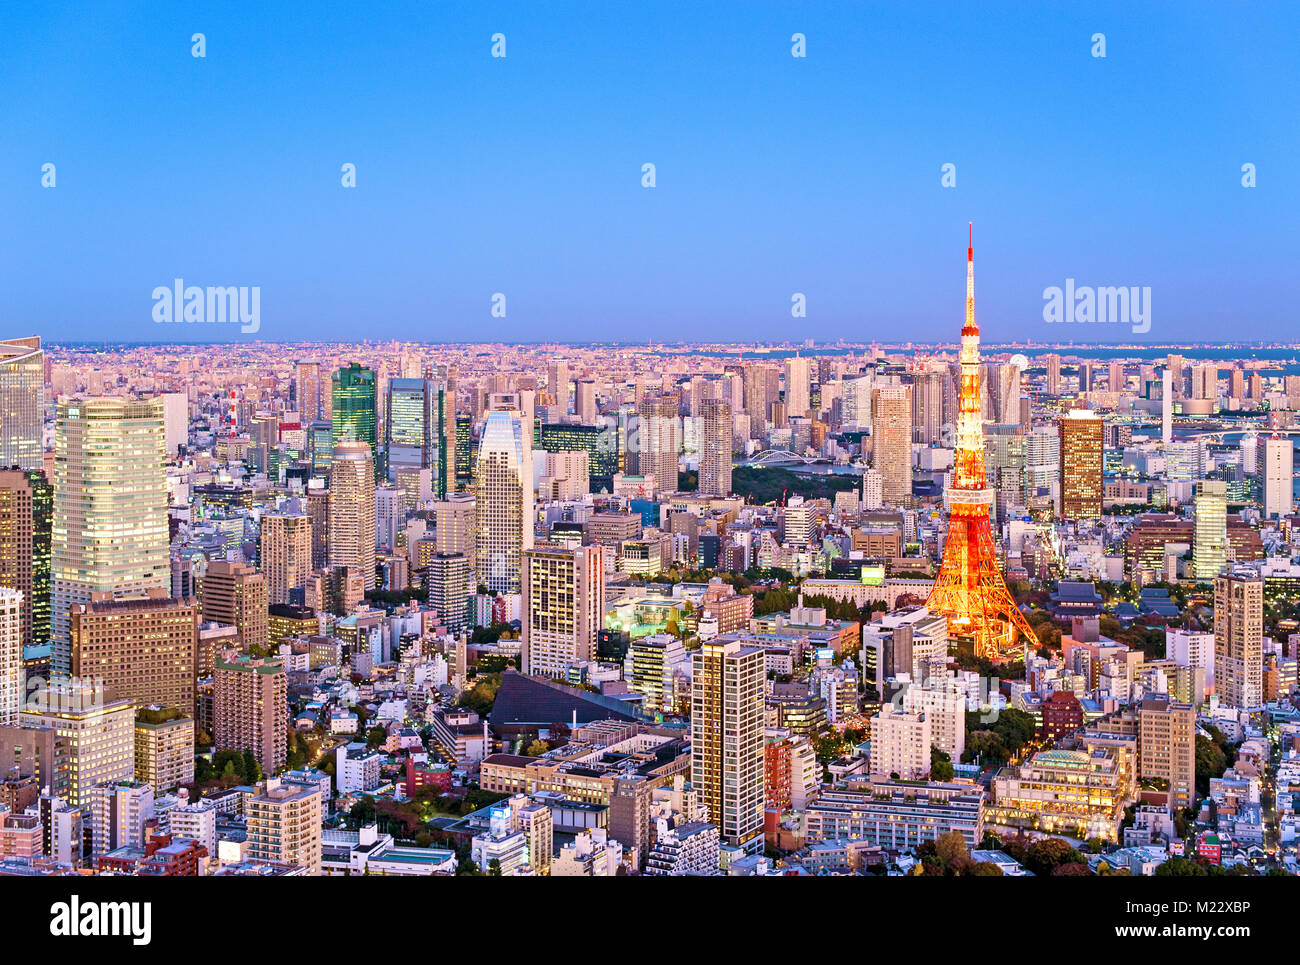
(781,457)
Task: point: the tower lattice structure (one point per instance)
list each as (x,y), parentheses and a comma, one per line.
(970,590)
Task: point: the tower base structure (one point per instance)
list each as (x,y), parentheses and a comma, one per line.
(970,590)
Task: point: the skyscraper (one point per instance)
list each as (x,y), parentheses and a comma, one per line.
(1081,464)
(110,507)
(306,391)
(22,398)
(236,594)
(1239,640)
(26,516)
(503,486)
(354,419)
(142,648)
(1210,539)
(1053,379)
(715,448)
(11,656)
(250,710)
(411,425)
(563,606)
(447,583)
(727,738)
(584,401)
(286,543)
(660,440)
(927,408)
(1275,465)
(352,510)
(891,441)
(798,375)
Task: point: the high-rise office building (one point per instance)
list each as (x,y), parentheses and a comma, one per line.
(411,425)
(798,377)
(1205,381)
(236,594)
(1053,378)
(1166,406)
(557,383)
(110,529)
(1239,640)
(22,399)
(143,649)
(445,440)
(563,606)
(1275,462)
(11,656)
(447,580)
(503,490)
(353,390)
(352,510)
(927,408)
(1081,464)
(659,438)
(99,734)
(727,738)
(891,441)
(306,391)
(286,557)
(26,517)
(762,385)
(715,448)
(584,401)
(1210,546)
(250,710)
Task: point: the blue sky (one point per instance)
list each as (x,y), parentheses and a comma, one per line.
(522,175)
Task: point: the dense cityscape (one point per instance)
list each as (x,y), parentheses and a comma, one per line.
(615,610)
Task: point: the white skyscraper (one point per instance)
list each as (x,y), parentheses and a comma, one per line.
(1276,473)
(873,489)
(798,374)
(11,656)
(1166,406)
(503,486)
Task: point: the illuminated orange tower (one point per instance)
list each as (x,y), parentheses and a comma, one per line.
(969,589)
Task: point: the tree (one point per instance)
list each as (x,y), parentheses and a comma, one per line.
(1211,762)
(1071,869)
(494,868)
(950,847)
(375,737)
(940,765)
(362,813)
(537,748)
(252,769)
(1044,856)
(986,869)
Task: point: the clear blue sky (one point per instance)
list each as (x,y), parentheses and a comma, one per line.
(523,176)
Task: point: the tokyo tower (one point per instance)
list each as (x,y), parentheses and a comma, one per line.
(969,589)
